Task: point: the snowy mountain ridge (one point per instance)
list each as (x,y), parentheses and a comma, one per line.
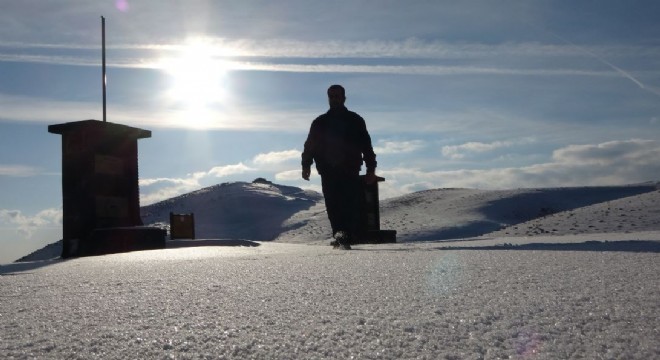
(235,210)
(443,214)
(263,211)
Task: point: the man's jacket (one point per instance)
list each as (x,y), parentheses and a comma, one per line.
(338,142)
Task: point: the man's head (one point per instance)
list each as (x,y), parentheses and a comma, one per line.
(336,96)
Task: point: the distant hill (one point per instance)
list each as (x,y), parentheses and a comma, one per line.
(237,210)
(264,211)
(624,215)
(462,213)
(442,214)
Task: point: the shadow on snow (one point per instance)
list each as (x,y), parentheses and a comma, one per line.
(642,246)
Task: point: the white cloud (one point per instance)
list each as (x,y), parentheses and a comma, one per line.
(290,175)
(158,189)
(192,180)
(276,157)
(150,196)
(26,224)
(12,216)
(608,153)
(227,170)
(610,163)
(397,147)
(461,151)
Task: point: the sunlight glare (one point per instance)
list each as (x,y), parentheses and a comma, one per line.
(198,81)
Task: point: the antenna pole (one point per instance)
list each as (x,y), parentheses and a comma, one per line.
(104,78)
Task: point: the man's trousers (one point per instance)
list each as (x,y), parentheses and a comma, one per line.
(342,201)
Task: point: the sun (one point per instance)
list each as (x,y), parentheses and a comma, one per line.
(197,81)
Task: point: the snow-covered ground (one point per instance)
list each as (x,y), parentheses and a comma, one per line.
(444,214)
(581,282)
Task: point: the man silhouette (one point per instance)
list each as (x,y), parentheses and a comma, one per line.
(338,141)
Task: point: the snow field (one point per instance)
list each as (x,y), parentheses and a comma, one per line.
(281,301)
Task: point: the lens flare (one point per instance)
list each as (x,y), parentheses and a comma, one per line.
(122,5)
(528,343)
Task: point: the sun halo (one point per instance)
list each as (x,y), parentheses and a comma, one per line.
(198,82)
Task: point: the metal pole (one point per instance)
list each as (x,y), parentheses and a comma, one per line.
(104,79)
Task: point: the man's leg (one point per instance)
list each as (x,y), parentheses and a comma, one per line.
(350,198)
(341,195)
(331,195)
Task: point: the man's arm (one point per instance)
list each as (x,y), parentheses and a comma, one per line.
(368,154)
(306,172)
(309,151)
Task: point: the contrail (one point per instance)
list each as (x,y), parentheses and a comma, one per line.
(614,67)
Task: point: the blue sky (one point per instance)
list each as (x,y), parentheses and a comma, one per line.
(480,94)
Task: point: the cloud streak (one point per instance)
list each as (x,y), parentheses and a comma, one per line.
(411,48)
(17,170)
(40,110)
(332,56)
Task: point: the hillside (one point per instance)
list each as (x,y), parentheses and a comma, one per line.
(630,214)
(238,210)
(442,214)
(264,211)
